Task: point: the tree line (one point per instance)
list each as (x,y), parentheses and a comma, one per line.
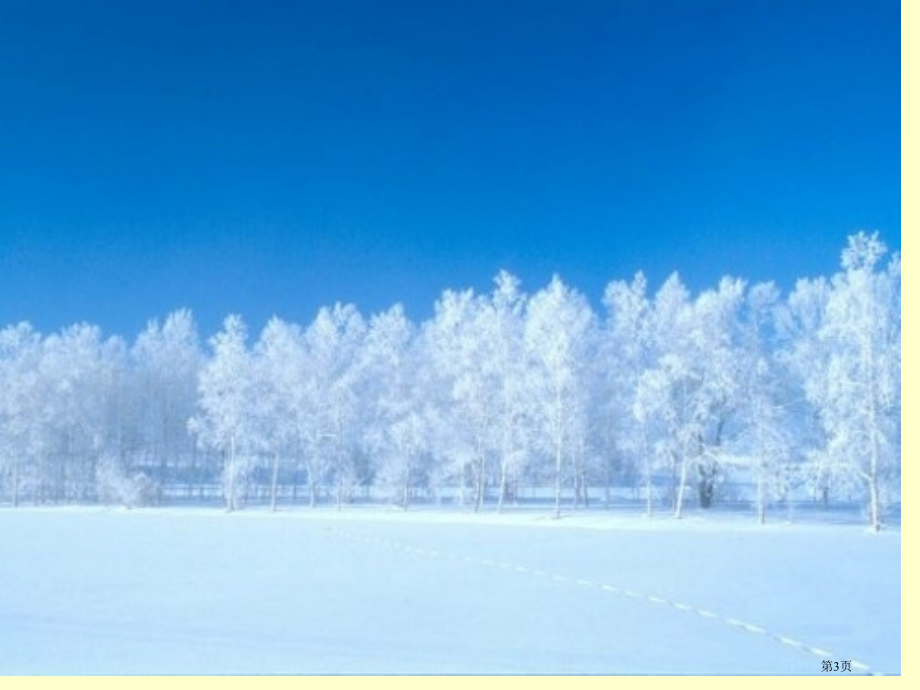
(676,395)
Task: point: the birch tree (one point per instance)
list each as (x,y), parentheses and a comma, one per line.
(21,406)
(400,418)
(453,344)
(558,321)
(805,360)
(663,396)
(862,330)
(626,350)
(765,440)
(334,340)
(166,362)
(224,388)
(275,360)
(505,350)
(717,357)
(692,388)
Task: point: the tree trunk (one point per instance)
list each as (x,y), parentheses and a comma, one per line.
(679,501)
(274,496)
(648,495)
(647,465)
(16,484)
(607,479)
(311,475)
(340,480)
(231,479)
(480,483)
(558,479)
(164,479)
(462,485)
(407,488)
(581,489)
(648,482)
(502,487)
(875,518)
(706,487)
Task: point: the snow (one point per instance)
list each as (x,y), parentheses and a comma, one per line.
(371,591)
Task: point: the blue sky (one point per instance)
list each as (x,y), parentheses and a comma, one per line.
(271,157)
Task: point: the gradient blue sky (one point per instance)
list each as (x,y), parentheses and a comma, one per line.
(271,157)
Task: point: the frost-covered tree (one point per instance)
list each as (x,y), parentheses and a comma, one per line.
(494,390)
(308,399)
(556,332)
(862,330)
(225,395)
(804,358)
(166,362)
(842,340)
(323,397)
(718,364)
(453,343)
(690,392)
(764,441)
(474,346)
(506,355)
(400,417)
(334,340)
(663,404)
(65,419)
(21,406)
(275,381)
(81,380)
(626,350)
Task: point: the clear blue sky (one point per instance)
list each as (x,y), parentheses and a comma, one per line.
(270,157)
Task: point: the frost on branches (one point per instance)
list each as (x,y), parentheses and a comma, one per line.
(669,400)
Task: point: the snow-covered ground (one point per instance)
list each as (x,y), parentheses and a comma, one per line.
(188,591)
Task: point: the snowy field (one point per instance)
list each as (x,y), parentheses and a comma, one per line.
(198,591)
